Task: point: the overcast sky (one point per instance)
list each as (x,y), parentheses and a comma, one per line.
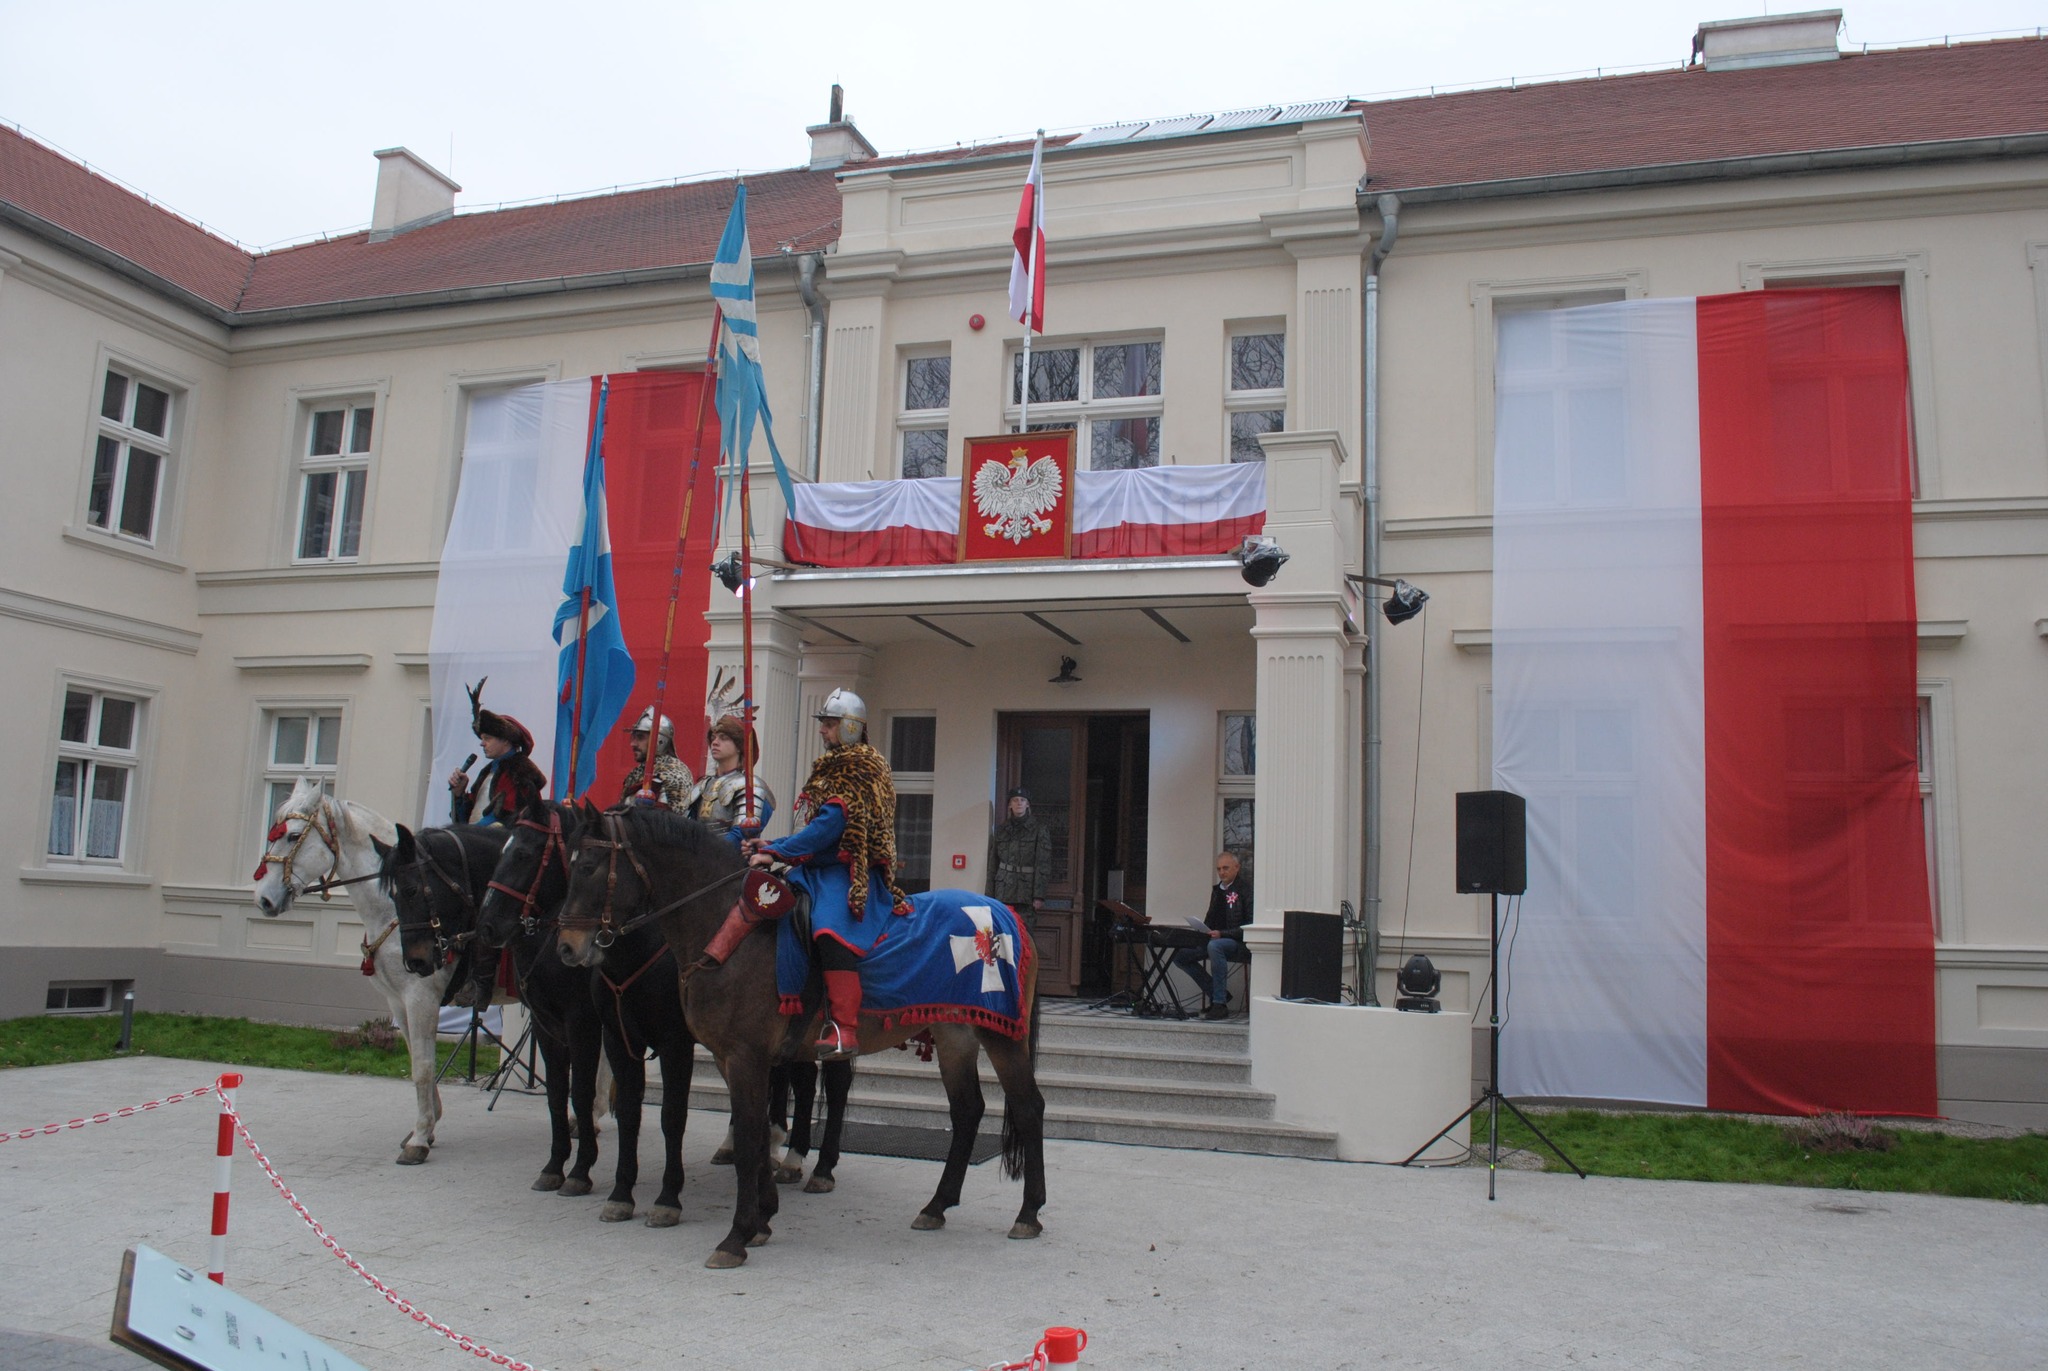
(260,122)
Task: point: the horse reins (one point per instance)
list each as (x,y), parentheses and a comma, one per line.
(331,836)
(448,947)
(555,848)
(607,932)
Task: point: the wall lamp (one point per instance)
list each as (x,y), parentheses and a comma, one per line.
(1404,604)
(1259,560)
(727,570)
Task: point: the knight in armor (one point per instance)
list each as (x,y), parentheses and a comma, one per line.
(673,782)
(1020,856)
(509,781)
(720,800)
(841,858)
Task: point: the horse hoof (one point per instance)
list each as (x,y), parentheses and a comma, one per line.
(412,1156)
(926,1223)
(661,1216)
(819,1185)
(760,1239)
(575,1186)
(616,1211)
(547,1182)
(1021,1229)
(788,1175)
(722,1260)
(722,1157)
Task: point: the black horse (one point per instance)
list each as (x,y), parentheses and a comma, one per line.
(631,1000)
(647,868)
(797,1082)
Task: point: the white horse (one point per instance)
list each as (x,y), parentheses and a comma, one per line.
(318,842)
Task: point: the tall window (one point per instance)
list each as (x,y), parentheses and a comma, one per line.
(1237,773)
(921,423)
(96,759)
(335,473)
(302,744)
(130,457)
(1256,401)
(1109,392)
(913,740)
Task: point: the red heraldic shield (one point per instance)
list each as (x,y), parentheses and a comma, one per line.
(1017,497)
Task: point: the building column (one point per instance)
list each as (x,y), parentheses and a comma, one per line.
(1308,724)
(778,720)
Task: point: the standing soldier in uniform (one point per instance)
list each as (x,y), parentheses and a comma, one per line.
(1020,856)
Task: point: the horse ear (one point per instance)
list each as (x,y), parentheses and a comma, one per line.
(406,847)
(382,849)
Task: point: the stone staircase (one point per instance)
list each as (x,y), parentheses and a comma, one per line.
(1105,1077)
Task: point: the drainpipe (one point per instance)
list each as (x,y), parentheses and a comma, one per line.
(1390,228)
(814,380)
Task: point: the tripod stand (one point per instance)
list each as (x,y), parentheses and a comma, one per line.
(471,1035)
(522,1059)
(1492,1100)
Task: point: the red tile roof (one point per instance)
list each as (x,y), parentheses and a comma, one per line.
(1913,95)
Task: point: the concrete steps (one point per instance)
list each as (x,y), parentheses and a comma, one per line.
(1105,1077)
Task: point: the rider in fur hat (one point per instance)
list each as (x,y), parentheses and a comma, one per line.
(509,781)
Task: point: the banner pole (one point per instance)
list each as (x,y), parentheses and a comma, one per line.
(595,454)
(747,641)
(675,581)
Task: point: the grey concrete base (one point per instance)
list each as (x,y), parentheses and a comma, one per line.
(26,974)
(1169,1259)
(272,992)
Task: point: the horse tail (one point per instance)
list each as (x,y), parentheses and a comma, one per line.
(1014,1143)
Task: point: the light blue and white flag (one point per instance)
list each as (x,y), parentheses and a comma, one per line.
(742,392)
(600,660)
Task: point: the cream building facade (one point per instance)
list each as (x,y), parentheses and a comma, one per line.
(1315,287)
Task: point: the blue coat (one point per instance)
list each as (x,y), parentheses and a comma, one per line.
(817,868)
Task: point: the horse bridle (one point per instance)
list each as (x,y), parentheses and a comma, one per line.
(448,946)
(331,836)
(555,848)
(616,841)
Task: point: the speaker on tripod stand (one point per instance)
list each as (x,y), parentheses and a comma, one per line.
(1493,859)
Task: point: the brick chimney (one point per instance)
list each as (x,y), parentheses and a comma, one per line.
(410,195)
(836,142)
(1772,40)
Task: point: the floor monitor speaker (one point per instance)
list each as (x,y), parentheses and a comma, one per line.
(1493,846)
(1311,956)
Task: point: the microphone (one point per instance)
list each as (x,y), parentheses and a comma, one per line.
(469,761)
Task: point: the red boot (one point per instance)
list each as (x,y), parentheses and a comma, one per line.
(840,1037)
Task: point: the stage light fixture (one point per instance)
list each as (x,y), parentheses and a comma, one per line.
(727,570)
(1404,604)
(1066,676)
(1259,560)
(1418,983)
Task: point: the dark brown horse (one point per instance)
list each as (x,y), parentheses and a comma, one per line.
(646,866)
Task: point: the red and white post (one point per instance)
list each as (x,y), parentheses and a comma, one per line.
(224,1156)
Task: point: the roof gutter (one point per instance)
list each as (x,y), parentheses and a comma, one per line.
(1729,169)
(1367,993)
(106,257)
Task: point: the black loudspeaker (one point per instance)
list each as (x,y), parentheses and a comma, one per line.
(1311,956)
(1493,844)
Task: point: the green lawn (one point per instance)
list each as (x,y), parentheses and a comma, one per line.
(47,1039)
(1705,1147)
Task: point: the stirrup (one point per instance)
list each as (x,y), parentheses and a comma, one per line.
(837,1043)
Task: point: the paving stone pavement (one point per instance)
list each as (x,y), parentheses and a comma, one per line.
(1169,1259)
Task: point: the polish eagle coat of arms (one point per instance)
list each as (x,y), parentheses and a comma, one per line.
(1015,495)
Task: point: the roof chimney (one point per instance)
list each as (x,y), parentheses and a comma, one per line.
(1772,40)
(410,195)
(836,142)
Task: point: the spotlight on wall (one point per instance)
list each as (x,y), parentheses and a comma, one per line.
(1418,983)
(1404,604)
(1260,560)
(727,570)
(1066,676)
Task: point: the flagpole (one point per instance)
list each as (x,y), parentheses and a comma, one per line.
(583,608)
(747,641)
(1031,288)
(675,580)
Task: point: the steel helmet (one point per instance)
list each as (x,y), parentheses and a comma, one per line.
(852,713)
(668,728)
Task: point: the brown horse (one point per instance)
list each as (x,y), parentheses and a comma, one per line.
(639,866)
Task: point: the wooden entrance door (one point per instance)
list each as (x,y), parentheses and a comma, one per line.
(1047,754)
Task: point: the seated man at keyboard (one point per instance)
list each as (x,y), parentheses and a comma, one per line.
(1230,909)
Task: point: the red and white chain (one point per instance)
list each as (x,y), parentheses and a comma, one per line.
(397,1301)
(125,1112)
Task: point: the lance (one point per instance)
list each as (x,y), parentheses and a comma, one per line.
(675,580)
(583,607)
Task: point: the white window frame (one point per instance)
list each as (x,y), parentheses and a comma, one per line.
(1493,297)
(909,421)
(341,466)
(1906,271)
(1233,786)
(92,757)
(1082,412)
(270,771)
(107,987)
(166,447)
(1264,399)
(917,782)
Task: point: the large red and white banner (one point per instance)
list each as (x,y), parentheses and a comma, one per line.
(516,512)
(1704,683)
(1177,511)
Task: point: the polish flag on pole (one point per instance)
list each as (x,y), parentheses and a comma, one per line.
(1027,257)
